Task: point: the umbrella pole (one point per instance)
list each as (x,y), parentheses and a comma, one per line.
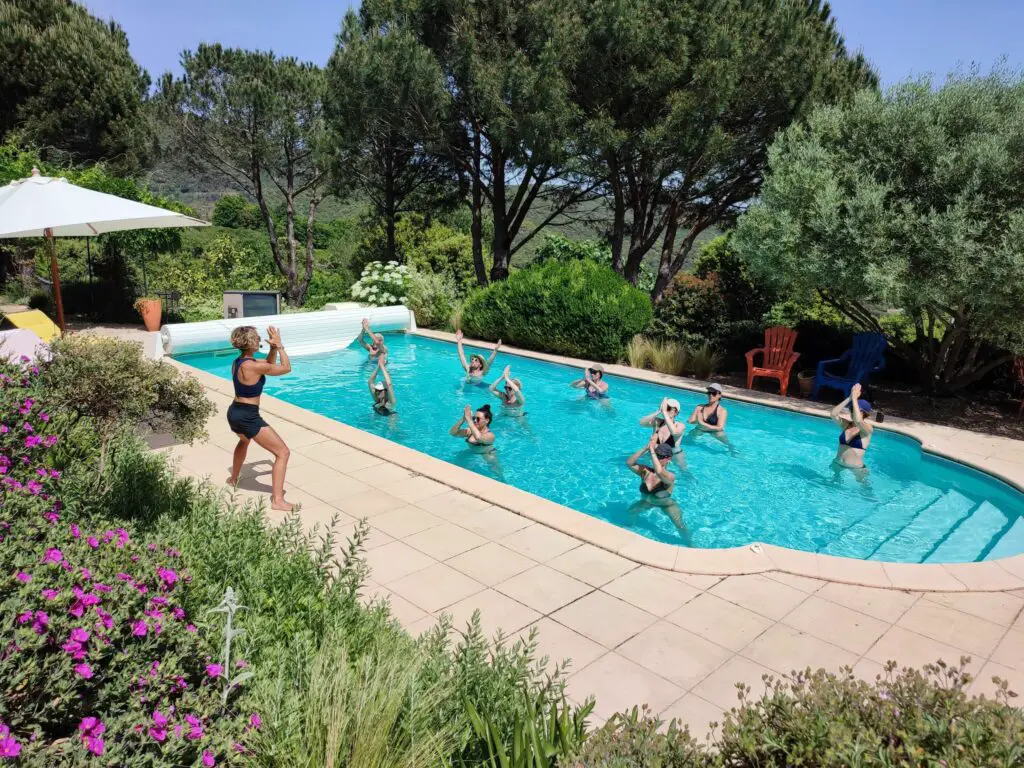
(55,274)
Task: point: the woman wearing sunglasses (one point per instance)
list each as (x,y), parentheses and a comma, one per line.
(711,416)
(509,390)
(476,367)
(474,427)
(593,382)
(382,392)
(667,430)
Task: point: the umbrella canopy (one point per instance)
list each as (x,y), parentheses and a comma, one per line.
(29,207)
(44,206)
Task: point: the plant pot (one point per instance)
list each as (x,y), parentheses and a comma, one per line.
(806,381)
(150,311)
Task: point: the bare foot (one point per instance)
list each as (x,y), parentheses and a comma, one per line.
(281,505)
(232,481)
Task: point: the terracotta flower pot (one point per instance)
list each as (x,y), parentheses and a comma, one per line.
(806,381)
(150,311)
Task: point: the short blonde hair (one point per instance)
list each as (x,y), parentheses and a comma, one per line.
(245,337)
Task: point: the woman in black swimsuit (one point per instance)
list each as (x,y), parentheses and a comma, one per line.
(667,430)
(511,394)
(382,392)
(712,416)
(249,376)
(655,481)
(474,427)
(856,432)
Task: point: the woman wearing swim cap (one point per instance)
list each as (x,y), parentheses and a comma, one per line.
(382,392)
(667,430)
(856,432)
(712,416)
(476,367)
(593,382)
(657,483)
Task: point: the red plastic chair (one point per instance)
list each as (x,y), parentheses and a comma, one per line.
(1018,370)
(777,357)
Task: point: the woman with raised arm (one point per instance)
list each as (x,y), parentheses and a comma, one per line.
(249,376)
(655,481)
(856,432)
(477,367)
(474,427)
(667,430)
(376,347)
(511,393)
(593,382)
(382,392)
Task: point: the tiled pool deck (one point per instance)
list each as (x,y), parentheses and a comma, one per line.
(641,621)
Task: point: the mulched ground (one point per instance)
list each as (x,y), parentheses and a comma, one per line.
(991,413)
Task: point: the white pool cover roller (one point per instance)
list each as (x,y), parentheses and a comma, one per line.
(303,333)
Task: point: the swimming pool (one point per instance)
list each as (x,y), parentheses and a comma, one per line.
(772,483)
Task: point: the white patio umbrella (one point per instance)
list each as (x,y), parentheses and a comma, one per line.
(44,206)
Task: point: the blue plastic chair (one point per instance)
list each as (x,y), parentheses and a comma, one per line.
(867,356)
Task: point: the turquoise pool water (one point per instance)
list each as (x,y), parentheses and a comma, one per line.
(773,483)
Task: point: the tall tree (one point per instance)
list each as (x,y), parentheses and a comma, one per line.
(513,124)
(70,86)
(912,201)
(257,120)
(384,104)
(684,101)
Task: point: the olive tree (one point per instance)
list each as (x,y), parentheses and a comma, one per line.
(911,201)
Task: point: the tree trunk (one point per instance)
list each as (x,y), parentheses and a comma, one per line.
(314,200)
(618,234)
(390,214)
(477,213)
(500,245)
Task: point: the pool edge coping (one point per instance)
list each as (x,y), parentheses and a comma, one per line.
(988,576)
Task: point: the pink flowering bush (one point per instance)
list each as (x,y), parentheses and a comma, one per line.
(100,661)
(27,436)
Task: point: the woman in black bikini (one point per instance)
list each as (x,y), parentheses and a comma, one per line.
(474,427)
(382,392)
(667,430)
(856,435)
(249,376)
(511,394)
(655,481)
(712,416)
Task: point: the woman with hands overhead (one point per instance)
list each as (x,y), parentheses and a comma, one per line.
(474,426)
(477,367)
(382,392)
(375,347)
(667,430)
(508,390)
(249,375)
(855,436)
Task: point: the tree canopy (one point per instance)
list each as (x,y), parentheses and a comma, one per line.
(257,119)
(69,84)
(915,201)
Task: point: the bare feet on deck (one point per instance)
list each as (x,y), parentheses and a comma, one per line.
(281,505)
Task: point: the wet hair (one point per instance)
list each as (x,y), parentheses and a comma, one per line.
(245,337)
(663,451)
(486,411)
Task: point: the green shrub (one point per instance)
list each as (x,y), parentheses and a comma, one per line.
(576,308)
(703,361)
(669,357)
(236,212)
(328,287)
(692,311)
(907,719)
(40,300)
(196,309)
(636,739)
(638,351)
(559,248)
(432,298)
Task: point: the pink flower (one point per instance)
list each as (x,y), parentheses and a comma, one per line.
(191,628)
(75,649)
(178,613)
(84,670)
(39,625)
(92,729)
(254,721)
(139,628)
(25,617)
(167,576)
(214,670)
(106,620)
(158,731)
(93,542)
(75,531)
(53,555)
(50,594)
(9,746)
(100,587)
(208,758)
(23,577)
(80,635)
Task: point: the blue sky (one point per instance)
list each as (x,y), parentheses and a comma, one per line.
(902,38)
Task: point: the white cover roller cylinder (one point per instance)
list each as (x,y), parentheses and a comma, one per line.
(303,333)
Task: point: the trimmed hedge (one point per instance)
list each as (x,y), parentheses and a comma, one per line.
(576,308)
